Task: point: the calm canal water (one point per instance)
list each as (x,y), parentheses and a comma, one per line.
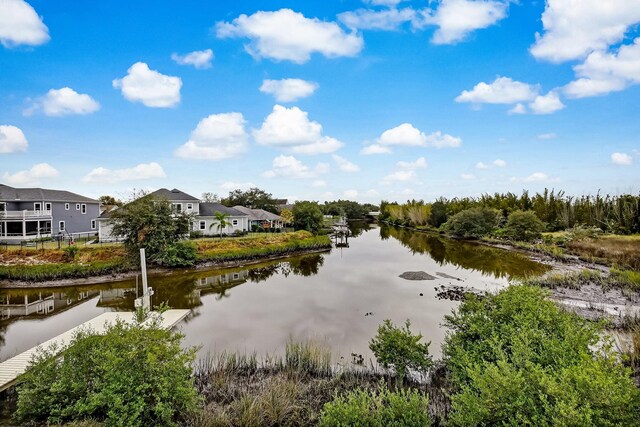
(324,297)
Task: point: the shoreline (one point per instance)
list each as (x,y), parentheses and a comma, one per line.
(106,278)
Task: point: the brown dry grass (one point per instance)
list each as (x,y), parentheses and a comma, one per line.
(622,251)
(51,256)
(225,245)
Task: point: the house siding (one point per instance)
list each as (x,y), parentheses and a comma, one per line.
(75,220)
(211,231)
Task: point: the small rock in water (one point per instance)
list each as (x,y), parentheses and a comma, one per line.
(417,275)
(421,294)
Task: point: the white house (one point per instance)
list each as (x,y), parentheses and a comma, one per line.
(207,224)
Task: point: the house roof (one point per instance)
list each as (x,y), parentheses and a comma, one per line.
(12,194)
(172,195)
(258,214)
(209,209)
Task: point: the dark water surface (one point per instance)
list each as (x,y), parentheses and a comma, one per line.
(258,308)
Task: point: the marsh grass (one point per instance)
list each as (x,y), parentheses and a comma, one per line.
(627,281)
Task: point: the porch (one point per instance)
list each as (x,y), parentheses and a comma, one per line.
(24,225)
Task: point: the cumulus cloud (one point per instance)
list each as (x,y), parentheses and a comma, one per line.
(420,163)
(21,25)
(456,19)
(216,137)
(285,35)
(290,167)
(291,129)
(139,172)
(572,29)
(442,140)
(12,139)
(289,90)
(200,59)
(149,87)
(399,176)
(467,176)
(497,163)
(31,176)
(385,20)
(622,159)
(345,165)
(519,108)
(535,177)
(605,72)
(502,90)
(408,135)
(64,102)
(546,104)
(375,149)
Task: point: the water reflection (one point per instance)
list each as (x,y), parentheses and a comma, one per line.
(470,256)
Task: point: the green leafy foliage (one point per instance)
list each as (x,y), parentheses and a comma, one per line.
(132,375)
(473,223)
(307,216)
(180,254)
(523,226)
(399,348)
(70,252)
(381,408)
(253,198)
(517,359)
(347,208)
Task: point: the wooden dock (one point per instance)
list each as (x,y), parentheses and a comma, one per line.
(11,369)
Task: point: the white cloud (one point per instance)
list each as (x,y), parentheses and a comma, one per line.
(518,109)
(345,165)
(289,90)
(535,177)
(405,134)
(230,186)
(21,25)
(290,167)
(153,89)
(375,149)
(481,165)
(456,19)
(318,183)
(291,129)
(64,102)
(388,3)
(503,90)
(621,159)
(290,36)
(386,19)
(497,163)
(139,172)
(399,176)
(31,176)
(605,72)
(350,194)
(439,140)
(547,104)
(467,176)
(12,139)
(420,163)
(547,136)
(217,137)
(575,28)
(200,59)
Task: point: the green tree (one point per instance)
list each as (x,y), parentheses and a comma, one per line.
(109,201)
(398,348)
(523,226)
(307,216)
(473,223)
(151,224)
(438,215)
(209,197)
(220,222)
(132,375)
(253,198)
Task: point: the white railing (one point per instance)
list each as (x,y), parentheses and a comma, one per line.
(24,214)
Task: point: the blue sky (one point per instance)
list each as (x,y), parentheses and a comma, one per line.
(366,100)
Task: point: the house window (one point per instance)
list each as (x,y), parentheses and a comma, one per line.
(37,207)
(236,276)
(61,226)
(84,208)
(93,224)
(177,207)
(77,206)
(66,206)
(203,225)
(189,206)
(47,207)
(234,222)
(3,206)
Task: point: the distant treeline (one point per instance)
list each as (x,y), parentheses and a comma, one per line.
(615,214)
(347,208)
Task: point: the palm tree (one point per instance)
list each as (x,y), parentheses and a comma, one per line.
(220,222)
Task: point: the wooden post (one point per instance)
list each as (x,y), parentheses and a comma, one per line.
(146,301)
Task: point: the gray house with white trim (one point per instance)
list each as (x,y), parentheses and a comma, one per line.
(30,213)
(206,223)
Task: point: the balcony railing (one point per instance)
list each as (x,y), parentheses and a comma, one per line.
(26,214)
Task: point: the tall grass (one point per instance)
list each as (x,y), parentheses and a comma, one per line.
(57,271)
(625,280)
(217,254)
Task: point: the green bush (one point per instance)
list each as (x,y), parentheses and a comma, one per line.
(382,408)
(180,254)
(473,223)
(70,252)
(132,375)
(307,216)
(517,359)
(400,349)
(523,226)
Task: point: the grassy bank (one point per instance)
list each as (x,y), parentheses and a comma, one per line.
(52,264)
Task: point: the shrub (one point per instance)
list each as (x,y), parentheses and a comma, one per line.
(523,226)
(382,408)
(307,216)
(132,375)
(473,223)
(70,252)
(180,254)
(399,348)
(517,359)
